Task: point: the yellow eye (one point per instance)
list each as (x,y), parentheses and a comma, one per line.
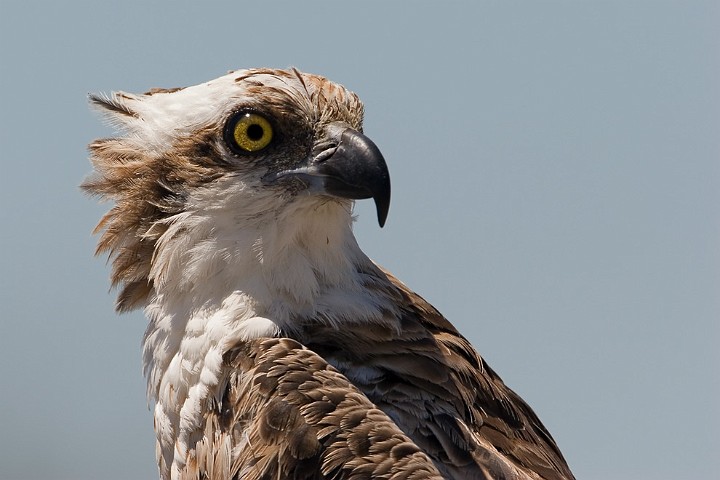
(248,132)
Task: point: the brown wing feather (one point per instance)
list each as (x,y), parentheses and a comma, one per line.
(494,412)
(287,414)
(433,384)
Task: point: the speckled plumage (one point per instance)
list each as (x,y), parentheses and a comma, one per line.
(275,348)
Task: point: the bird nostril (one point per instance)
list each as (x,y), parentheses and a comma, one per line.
(326,150)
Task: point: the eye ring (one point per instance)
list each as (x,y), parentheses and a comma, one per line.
(248,132)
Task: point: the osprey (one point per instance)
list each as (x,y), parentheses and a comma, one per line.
(275,347)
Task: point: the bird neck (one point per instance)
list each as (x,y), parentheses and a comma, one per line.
(215,281)
(216,285)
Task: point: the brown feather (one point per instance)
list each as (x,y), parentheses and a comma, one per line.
(441,393)
(299,418)
(147,188)
(112,105)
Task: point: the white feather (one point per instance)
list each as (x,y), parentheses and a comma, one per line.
(300,262)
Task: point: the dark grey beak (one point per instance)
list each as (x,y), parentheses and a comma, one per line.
(346,165)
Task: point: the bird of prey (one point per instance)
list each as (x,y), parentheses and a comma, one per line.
(275,348)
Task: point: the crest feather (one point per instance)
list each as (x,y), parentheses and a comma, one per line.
(146,188)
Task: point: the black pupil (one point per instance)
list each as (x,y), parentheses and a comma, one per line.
(255,132)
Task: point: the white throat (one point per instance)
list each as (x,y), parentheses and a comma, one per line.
(220,278)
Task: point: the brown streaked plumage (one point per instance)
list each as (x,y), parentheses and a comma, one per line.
(146,190)
(300,418)
(448,400)
(275,348)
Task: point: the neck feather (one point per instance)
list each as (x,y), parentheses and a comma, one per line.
(216,284)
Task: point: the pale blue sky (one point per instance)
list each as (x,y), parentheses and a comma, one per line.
(556,194)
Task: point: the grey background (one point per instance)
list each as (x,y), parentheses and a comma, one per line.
(555,194)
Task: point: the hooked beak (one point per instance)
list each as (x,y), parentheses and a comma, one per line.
(347,165)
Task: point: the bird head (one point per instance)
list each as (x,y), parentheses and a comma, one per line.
(258,143)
